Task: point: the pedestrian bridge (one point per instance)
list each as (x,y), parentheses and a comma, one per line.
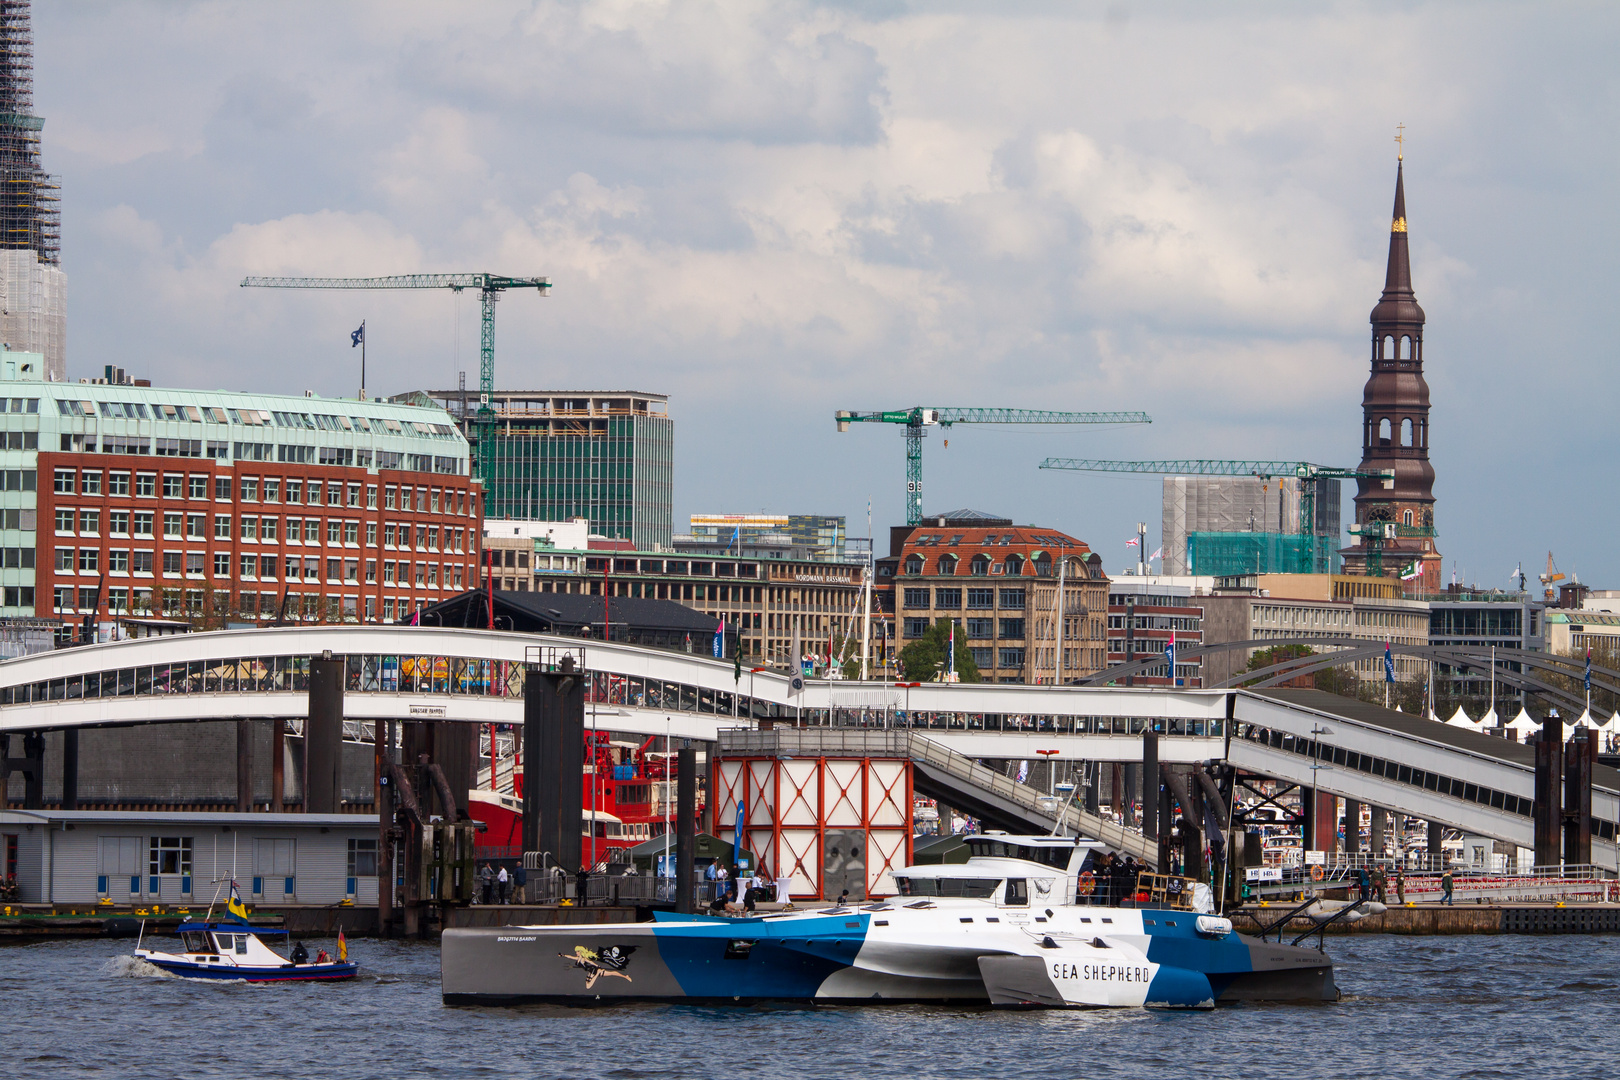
(1477,783)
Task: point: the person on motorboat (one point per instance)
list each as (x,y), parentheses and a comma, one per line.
(300,955)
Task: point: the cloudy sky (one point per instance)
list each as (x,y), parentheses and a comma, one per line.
(772,211)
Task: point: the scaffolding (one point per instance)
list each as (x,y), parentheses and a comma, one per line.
(1228,554)
(1245,506)
(30,198)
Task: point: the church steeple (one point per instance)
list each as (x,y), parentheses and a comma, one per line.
(1395,423)
(1398,304)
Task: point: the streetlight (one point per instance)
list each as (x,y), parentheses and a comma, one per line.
(1051,776)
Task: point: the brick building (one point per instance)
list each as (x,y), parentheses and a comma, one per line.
(215,505)
(1000,582)
(1147,614)
(764,598)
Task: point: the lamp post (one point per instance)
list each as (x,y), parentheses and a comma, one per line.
(1051,776)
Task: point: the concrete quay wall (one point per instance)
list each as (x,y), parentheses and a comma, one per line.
(1440,919)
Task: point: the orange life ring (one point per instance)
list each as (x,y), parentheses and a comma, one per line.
(1317,873)
(1088,883)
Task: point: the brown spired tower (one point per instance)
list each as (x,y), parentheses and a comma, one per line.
(1395,525)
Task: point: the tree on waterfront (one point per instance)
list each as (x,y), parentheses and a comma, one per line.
(927,658)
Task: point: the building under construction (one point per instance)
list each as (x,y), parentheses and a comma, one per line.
(1223,526)
(33,289)
(558,455)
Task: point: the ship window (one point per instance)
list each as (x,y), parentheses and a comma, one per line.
(1017,892)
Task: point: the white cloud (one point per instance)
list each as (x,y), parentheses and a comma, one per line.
(773,210)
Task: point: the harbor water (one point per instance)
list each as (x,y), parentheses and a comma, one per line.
(1501,1006)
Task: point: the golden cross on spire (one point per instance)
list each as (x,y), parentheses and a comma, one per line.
(1400,141)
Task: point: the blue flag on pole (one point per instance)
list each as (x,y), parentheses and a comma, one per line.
(1170,658)
(357,337)
(1389,664)
(1588,671)
(720,640)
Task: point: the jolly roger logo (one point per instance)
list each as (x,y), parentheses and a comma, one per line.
(603,963)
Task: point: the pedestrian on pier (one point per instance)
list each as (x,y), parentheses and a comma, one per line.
(520,877)
(1400,884)
(1380,883)
(502,884)
(1364,883)
(1445,883)
(486,879)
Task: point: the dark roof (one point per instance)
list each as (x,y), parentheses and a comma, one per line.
(1422,727)
(563,613)
(975,517)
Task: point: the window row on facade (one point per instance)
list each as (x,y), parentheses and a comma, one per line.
(952,599)
(254,528)
(1005,629)
(293,491)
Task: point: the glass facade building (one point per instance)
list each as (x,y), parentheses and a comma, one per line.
(605,456)
(821,535)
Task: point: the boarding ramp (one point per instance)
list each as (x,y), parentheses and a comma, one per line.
(1480,784)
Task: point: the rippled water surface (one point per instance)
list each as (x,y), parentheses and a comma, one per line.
(1413,1007)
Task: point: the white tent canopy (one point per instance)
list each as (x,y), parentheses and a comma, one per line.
(1460,719)
(1490,719)
(1524,722)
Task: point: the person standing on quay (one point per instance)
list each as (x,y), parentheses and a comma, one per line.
(1400,884)
(1445,884)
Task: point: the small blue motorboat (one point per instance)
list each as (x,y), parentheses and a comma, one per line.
(231,948)
(226,949)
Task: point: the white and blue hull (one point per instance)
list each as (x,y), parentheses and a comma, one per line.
(967,952)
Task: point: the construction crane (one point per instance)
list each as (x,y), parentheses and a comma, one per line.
(919,419)
(1310,476)
(489,286)
(1551,578)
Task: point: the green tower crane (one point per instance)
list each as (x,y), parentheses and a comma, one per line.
(920,418)
(1310,474)
(489,286)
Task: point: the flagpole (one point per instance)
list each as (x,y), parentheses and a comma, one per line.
(362,359)
(866,616)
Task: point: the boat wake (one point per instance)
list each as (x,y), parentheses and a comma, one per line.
(130,967)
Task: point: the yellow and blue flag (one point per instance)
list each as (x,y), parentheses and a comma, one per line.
(234,904)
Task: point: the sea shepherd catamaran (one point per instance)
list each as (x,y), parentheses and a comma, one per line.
(1014,926)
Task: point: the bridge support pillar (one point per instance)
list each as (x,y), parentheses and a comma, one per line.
(70,769)
(1152,799)
(554,762)
(1352,827)
(383,751)
(32,766)
(278,766)
(244,767)
(1437,846)
(1579,757)
(685,834)
(1375,841)
(323,736)
(1549,804)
